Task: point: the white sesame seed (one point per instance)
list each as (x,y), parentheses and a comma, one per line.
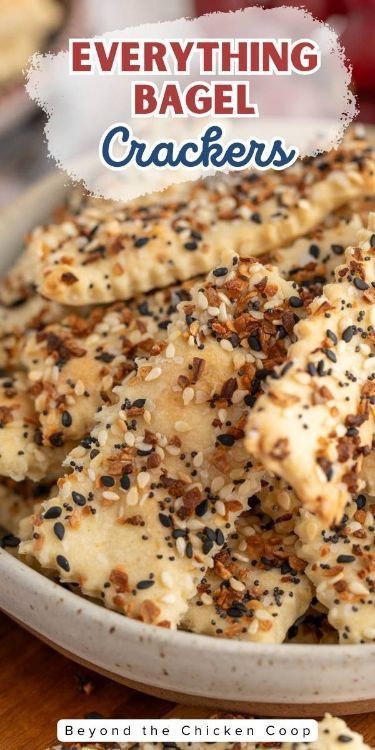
(284,500)
(108,495)
(226,345)
(181,546)
(132,496)
(253,627)
(198,460)
(356,587)
(143,479)
(35,375)
(202,301)
(129,439)
(79,388)
(167,579)
(102,437)
(223,317)
(170,351)
(206,599)
(188,395)
(153,374)
(236,585)
(220,508)
(173,450)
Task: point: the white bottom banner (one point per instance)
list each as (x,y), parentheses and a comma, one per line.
(188,730)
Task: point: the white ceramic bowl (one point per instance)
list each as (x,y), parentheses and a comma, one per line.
(269,679)
(15,104)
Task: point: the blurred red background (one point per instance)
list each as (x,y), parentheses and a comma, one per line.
(354,21)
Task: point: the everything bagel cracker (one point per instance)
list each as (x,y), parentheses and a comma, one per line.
(21,453)
(109,251)
(257,589)
(73,365)
(341,565)
(314,423)
(158,484)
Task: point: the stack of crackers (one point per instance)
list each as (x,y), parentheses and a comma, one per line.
(187,402)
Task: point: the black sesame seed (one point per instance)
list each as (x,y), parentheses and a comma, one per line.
(78,498)
(53,512)
(165,520)
(330,354)
(141,241)
(360,284)
(345,558)
(219,538)
(63,563)
(191,245)
(314,251)
(139,403)
(178,533)
(125,482)
(107,481)
(360,502)
(222,271)
(227,440)
(256,217)
(145,585)
(295,302)
(235,612)
(348,334)
(202,508)
(372,240)
(66,419)
(59,530)
(207,546)
(249,399)
(254,343)
(332,336)
(56,439)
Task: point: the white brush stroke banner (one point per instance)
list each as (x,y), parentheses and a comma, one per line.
(309,112)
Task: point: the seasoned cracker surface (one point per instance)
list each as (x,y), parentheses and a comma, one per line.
(257,589)
(314,424)
(157,485)
(73,365)
(109,251)
(311,260)
(341,565)
(21,453)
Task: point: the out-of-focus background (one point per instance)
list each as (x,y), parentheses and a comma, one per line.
(27,26)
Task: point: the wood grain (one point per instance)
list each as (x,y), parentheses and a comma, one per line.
(39,686)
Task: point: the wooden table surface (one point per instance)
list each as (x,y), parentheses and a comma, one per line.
(39,686)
